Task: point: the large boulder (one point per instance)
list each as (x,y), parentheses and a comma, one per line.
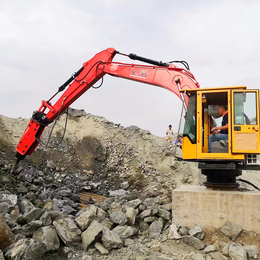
(237,252)
(118,217)
(6,235)
(155,229)
(125,231)
(89,235)
(26,249)
(231,230)
(33,214)
(86,217)
(28,229)
(194,242)
(111,239)
(11,199)
(48,236)
(131,215)
(134,203)
(68,231)
(25,206)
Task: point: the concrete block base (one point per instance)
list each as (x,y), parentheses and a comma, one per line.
(212,208)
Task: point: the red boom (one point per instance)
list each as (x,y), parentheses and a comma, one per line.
(171,78)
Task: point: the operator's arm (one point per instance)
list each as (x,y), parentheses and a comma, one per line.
(219,128)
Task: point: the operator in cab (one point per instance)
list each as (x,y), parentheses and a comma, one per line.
(220,132)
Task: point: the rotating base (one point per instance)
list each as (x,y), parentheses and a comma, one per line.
(221,179)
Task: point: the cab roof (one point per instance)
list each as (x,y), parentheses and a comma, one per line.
(212,89)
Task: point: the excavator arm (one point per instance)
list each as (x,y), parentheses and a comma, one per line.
(164,75)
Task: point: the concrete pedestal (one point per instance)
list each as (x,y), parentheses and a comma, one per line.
(212,208)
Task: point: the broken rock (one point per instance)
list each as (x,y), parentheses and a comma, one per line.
(48,236)
(67,231)
(165,214)
(195,230)
(118,218)
(6,235)
(252,251)
(131,215)
(26,249)
(86,217)
(11,199)
(173,234)
(217,256)
(155,229)
(193,241)
(237,252)
(33,214)
(134,203)
(25,206)
(209,249)
(89,235)
(101,249)
(28,229)
(1,255)
(111,239)
(231,230)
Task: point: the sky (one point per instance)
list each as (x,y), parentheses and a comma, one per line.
(44,42)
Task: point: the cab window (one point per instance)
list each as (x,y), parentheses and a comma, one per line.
(245,108)
(190,119)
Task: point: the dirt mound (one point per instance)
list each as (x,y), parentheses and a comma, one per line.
(113,153)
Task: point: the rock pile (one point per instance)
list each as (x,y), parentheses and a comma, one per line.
(39,216)
(30,232)
(219,250)
(113,154)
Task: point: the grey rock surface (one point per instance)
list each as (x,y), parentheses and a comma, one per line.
(237,252)
(231,230)
(193,241)
(118,218)
(217,256)
(86,217)
(155,229)
(68,231)
(48,236)
(89,235)
(6,235)
(26,249)
(111,239)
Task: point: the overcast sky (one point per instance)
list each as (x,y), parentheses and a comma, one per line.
(43,42)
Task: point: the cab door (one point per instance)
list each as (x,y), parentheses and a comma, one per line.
(245,121)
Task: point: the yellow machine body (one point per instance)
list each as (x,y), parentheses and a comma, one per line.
(243,123)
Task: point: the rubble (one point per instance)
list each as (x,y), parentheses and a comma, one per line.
(39,201)
(89,230)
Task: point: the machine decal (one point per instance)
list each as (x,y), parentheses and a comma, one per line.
(139,73)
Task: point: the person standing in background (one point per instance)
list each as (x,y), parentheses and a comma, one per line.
(169,134)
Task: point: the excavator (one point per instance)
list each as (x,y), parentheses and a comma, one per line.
(226,160)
